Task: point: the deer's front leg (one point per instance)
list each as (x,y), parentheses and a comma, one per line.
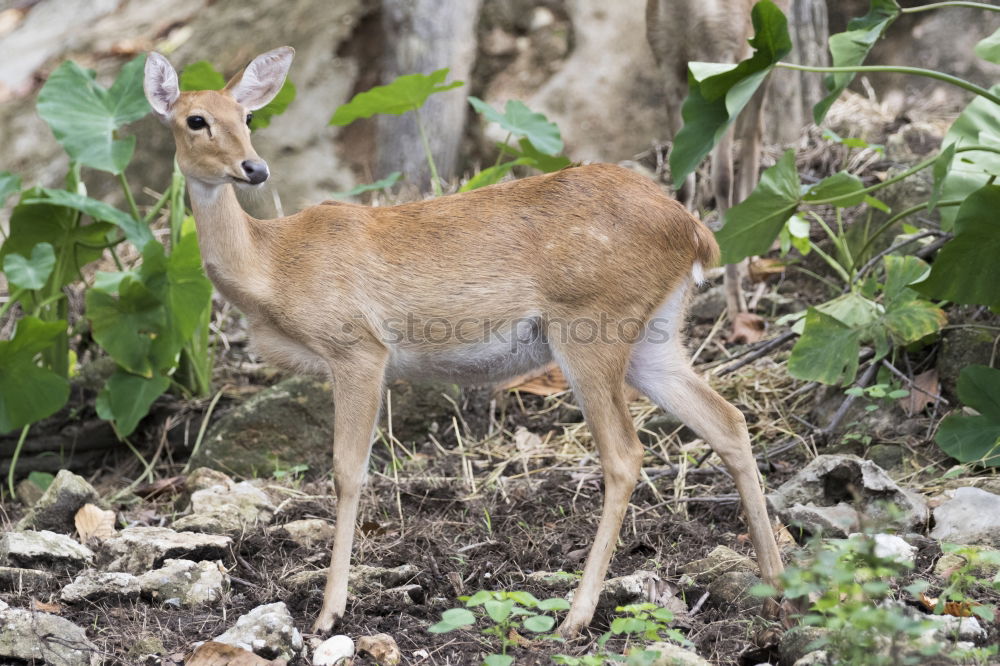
(357,394)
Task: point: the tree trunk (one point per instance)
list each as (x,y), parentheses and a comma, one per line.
(793,94)
(420,37)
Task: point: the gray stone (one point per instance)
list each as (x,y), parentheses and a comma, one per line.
(557,581)
(886,456)
(708,305)
(189,584)
(94,585)
(33,550)
(362,578)
(800,641)
(623,590)
(732,590)
(57,507)
(815,658)
(674,655)
(721,560)
(961,628)
(830,521)
(971,516)
(139,549)
(948,562)
(307,533)
(833,480)
(19,581)
(229,510)
(206,477)
(891,547)
(267,631)
(404,595)
(44,638)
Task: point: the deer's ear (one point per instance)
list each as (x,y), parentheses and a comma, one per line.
(257,85)
(160,84)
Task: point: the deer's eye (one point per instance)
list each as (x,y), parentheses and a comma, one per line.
(196,122)
(249,118)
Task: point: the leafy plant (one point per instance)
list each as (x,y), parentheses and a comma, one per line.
(974,439)
(405,94)
(971,573)
(646,622)
(506,614)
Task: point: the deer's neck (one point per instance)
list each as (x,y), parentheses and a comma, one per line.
(231,243)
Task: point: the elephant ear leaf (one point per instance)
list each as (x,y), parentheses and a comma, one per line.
(974,439)
(18,370)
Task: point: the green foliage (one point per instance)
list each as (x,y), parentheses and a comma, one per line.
(645,622)
(30,273)
(717,93)
(383,184)
(989,48)
(504,612)
(980,567)
(202,75)
(29,392)
(974,439)
(10,183)
(850,48)
(135,231)
(84,117)
(405,93)
(521,121)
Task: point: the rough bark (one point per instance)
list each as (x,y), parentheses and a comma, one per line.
(420,37)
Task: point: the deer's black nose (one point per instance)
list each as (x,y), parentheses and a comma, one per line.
(256,171)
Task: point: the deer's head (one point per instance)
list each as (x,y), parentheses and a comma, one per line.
(211,127)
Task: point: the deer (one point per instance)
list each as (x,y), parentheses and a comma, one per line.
(682,31)
(324,291)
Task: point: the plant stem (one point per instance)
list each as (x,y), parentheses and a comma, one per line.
(13,460)
(435,181)
(128,196)
(917,71)
(501,152)
(953,3)
(900,215)
(157,207)
(14,297)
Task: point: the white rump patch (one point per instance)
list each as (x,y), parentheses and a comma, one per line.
(698,273)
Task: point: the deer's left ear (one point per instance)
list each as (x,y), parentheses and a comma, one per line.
(257,85)
(160,85)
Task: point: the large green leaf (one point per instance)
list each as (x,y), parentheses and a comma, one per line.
(974,439)
(31,224)
(844,188)
(493,175)
(381,184)
(30,273)
(406,93)
(850,48)
(137,232)
(717,93)
(28,392)
(519,120)
(989,48)
(202,75)
(827,352)
(908,318)
(751,226)
(126,398)
(969,170)
(539,160)
(10,183)
(127,326)
(962,270)
(84,116)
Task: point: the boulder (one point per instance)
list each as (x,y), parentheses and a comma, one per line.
(846,483)
(229,510)
(732,590)
(333,651)
(93,585)
(27,636)
(138,549)
(267,631)
(42,549)
(720,561)
(185,583)
(307,533)
(58,505)
(970,516)
(672,654)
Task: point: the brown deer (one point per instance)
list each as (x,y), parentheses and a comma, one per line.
(327,289)
(682,31)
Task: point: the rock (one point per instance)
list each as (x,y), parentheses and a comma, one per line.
(361,579)
(188,584)
(419,407)
(139,549)
(961,628)
(861,485)
(290,423)
(971,516)
(19,581)
(42,549)
(891,547)
(267,631)
(721,560)
(948,562)
(814,658)
(557,581)
(800,641)
(44,638)
(382,649)
(206,477)
(831,521)
(732,590)
(886,456)
(93,585)
(707,305)
(58,505)
(29,492)
(308,533)
(228,510)
(674,655)
(627,589)
(404,595)
(331,651)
